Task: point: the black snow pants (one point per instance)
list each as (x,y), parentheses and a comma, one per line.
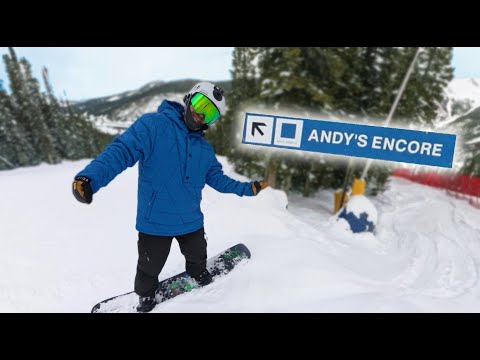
(153,253)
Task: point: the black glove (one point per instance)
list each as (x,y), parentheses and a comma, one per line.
(258,186)
(82,189)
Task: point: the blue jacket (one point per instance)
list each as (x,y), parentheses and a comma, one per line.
(174,166)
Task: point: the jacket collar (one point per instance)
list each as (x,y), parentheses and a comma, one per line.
(176,112)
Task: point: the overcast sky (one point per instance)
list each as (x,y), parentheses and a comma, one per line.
(92,72)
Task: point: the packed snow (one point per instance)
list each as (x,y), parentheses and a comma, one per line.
(58,255)
(359,204)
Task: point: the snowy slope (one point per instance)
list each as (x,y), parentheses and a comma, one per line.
(123,116)
(461,97)
(464,89)
(58,255)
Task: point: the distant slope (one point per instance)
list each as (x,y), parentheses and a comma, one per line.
(465,89)
(114,113)
(461,115)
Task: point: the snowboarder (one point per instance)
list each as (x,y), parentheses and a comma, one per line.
(175,163)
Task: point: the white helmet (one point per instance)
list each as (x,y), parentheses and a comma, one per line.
(213,92)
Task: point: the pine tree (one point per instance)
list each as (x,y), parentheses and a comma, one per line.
(26,108)
(424,93)
(468,127)
(59,122)
(35,127)
(14,148)
(41,126)
(374,74)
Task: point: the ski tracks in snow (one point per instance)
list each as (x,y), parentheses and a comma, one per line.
(426,245)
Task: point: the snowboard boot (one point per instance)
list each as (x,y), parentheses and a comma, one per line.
(203,278)
(146,304)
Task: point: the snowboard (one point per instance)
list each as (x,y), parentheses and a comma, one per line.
(218,265)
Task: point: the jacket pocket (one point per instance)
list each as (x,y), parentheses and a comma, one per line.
(150,205)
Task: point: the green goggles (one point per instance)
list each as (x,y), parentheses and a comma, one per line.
(202,105)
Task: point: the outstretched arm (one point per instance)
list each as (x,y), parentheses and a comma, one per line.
(123,152)
(224,184)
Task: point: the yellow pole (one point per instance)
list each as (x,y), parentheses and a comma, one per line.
(358,187)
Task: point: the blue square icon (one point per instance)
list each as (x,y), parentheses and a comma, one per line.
(288,131)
